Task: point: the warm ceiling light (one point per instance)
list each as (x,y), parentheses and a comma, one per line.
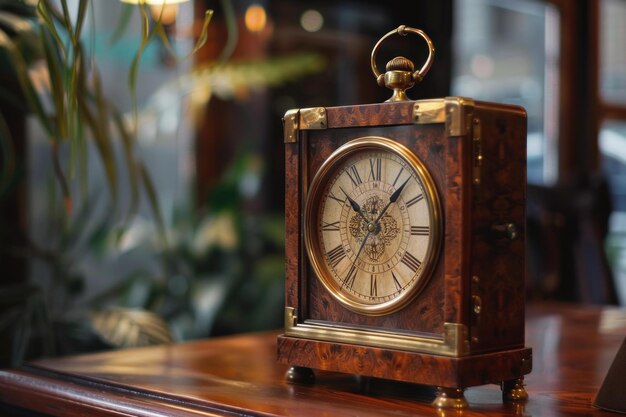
(165,12)
(153,2)
(255,18)
(312,20)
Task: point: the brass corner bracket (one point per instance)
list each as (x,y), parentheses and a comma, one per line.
(295,120)
(455,112)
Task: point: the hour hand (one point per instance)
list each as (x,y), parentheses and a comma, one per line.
(354,204)
(392,199)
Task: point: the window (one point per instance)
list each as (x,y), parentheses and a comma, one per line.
(612,135)
(508,52)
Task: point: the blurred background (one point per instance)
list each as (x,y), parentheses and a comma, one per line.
(143,202)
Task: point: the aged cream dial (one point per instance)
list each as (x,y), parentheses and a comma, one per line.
(372,225)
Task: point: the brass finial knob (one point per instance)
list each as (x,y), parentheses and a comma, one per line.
(400,63)
(400,72)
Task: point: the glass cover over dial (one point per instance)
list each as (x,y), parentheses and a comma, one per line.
(372,225)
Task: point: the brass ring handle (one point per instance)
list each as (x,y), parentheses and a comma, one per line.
(403,30)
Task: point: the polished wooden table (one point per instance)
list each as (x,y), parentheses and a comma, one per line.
(573,348)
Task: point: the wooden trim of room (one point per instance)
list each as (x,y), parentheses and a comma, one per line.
(579,109)
(590,151)
(568,74)
(611,111)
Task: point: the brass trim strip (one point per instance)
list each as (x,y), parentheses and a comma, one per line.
(295,120)
(291,125)
(453,342)
(458,115)
(313,118)
(455,112)
(429,111)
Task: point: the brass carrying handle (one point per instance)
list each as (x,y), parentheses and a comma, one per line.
(403,30)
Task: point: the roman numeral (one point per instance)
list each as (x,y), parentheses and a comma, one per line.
(420,230)
(411,261)
(395,281)
(414,200)
(334,197)
(373,286)
(349,280)
(354,176)
(375,169)
(397,176)
(331,227)
(336,255)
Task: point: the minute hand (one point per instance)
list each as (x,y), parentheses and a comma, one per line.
(355,205)
(392,199)
(357,255)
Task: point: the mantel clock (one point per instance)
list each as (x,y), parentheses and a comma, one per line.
(405,232)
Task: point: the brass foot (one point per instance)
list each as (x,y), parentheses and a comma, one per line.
(450,398)
(513,390)
(300,375)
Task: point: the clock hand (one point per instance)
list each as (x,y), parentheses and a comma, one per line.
(355,205)
(392,199)
(357,255)
(362,246)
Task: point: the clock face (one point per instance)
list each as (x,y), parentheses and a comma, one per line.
(372,225)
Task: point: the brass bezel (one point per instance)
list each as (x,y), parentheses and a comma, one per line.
(313,200)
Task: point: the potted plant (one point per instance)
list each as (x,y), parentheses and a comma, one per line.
(199,287)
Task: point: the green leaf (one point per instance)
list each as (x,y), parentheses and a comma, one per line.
(131,165)
(124,327)
(21,71)
(134,67)
(79,79)
(80,19)
(159,30)
(55,70)
(102,142)
(231,29)
(77,154)
(78,149)
(154,202)
(68,22)
(273,229)
(60,176)
(204,32)
(44,12)
(122,23)
(107,154)
(15,25)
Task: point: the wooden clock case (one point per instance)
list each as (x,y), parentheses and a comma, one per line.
(466,327)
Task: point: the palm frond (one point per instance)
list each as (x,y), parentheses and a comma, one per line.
(124,327)
(122,23)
